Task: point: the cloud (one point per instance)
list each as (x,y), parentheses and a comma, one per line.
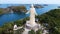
(29,1)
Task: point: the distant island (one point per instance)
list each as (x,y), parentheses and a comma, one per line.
(14,9)
(45,4)
(39,6)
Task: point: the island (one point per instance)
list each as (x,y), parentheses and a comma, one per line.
(19,9)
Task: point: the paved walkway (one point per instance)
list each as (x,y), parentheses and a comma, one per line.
(18,28)
(26,31)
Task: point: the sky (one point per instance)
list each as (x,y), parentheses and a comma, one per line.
(29,1)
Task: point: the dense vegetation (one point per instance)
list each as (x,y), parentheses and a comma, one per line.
(52,18)
(1,11)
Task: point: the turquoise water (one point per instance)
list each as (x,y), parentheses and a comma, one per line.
(14,16)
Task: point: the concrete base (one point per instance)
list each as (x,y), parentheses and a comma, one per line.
(30,27)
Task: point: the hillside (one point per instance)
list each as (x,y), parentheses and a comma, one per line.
(52,18)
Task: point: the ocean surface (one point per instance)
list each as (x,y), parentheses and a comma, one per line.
(14,16)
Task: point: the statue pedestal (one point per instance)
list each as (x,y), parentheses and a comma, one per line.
(35,26)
